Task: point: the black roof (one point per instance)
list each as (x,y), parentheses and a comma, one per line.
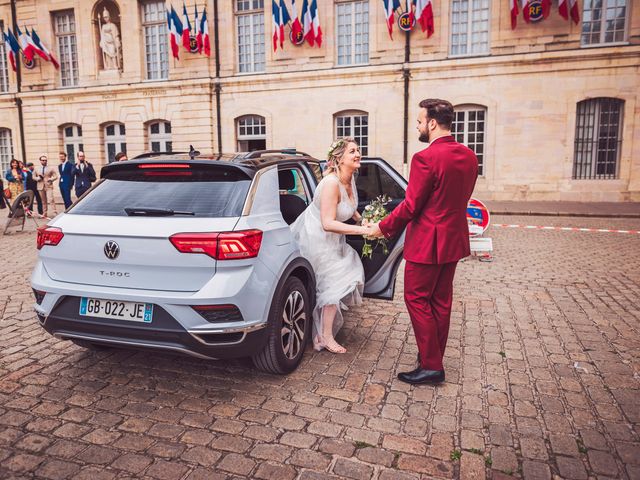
(249,162)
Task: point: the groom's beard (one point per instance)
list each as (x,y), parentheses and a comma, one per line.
(424,137)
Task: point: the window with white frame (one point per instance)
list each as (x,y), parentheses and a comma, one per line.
(65,31)
(352,30)
(160,136)
(468,128)
(251,133)
(72,140)
(598,138)
(250,33)
(4,68)
(604,21)
(6,149)
(469,27)
(356,125)
(156,53)
(114,141)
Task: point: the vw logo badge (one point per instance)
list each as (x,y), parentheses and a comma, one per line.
(111,250)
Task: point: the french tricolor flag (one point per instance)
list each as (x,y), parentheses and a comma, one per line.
(186,29)
(42,48)
(307,23)
(12,47)
(284,19)
(296,27)
(513,4)
(390,6)
(315,15)
(275,16)
(175,32)
(424,15)
(27,48)
(569,7)
(203,30)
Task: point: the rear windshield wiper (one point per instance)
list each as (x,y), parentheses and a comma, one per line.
(154,212)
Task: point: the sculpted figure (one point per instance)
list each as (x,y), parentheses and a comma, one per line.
(109,42)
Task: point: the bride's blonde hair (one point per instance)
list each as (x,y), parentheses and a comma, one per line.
(335,153)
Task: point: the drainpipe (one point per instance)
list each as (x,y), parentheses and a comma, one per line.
(406,75)
(218,87)
(18,100)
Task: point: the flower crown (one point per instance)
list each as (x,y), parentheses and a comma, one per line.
(334,146)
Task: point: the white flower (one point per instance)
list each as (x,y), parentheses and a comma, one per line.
(368,208)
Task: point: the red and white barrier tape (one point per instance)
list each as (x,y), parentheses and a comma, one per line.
(565,229)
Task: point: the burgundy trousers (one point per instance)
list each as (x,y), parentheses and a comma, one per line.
(428,293)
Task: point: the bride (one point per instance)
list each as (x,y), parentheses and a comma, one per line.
(320,232)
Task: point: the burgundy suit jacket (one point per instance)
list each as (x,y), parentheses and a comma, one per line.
(434,210)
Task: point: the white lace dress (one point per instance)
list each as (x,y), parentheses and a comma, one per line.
(338,269)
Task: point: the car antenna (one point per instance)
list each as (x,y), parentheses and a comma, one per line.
(193,153)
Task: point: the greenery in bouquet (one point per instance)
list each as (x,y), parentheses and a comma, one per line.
(374,213)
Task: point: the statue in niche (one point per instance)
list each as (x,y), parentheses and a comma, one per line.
(109,41)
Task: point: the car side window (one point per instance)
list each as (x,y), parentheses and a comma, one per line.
(373,181)
(292,183)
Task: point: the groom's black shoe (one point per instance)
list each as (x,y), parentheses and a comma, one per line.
(421,376)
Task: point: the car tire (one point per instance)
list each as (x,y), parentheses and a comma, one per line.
(90,345)
(289,328)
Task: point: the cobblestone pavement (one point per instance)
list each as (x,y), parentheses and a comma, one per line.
(543,372)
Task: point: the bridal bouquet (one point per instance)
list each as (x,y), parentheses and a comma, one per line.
(373,213)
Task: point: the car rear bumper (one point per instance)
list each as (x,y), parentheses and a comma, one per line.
(163,333)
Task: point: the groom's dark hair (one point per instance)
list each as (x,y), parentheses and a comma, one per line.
(440,110)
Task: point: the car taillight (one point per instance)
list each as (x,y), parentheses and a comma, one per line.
(245,244)
(206,243)
(221,246)
(164,165)
(49,236)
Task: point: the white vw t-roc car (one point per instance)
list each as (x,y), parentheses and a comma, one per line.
(194,255)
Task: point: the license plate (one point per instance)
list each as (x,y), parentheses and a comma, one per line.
(132,311)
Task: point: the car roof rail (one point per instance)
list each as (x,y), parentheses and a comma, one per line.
(156,154)
(284,151)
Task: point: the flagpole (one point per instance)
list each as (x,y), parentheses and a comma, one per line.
(406,75)
(18,100)
(218,87)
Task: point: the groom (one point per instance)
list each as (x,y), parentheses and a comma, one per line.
(442,179)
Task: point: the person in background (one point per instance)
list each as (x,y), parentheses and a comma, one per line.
(15,178)
(65,169)
(45,176)
(30,183)
(83,175)
(121,157)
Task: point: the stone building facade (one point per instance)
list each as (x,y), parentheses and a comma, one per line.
(552,108)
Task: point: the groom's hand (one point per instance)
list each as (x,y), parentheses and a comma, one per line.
(375,230)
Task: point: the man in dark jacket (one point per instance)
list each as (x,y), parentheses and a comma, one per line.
(31,184)
(84,175)
(65,169)
(434,211)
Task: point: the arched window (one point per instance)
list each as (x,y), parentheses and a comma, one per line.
(251,132)
(72,140)
(598,138)
(114,140)
(468,128)
(6,149)
(354,123)
(159,132)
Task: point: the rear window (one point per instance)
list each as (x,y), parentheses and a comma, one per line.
(206,194)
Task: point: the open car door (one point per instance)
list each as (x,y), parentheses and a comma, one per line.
(376,177)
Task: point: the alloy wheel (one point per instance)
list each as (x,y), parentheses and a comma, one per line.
(293,324)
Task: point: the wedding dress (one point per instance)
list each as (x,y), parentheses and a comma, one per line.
(338,269)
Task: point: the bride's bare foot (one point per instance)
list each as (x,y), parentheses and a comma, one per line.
(330,344)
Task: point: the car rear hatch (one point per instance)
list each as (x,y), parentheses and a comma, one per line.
(126,232)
